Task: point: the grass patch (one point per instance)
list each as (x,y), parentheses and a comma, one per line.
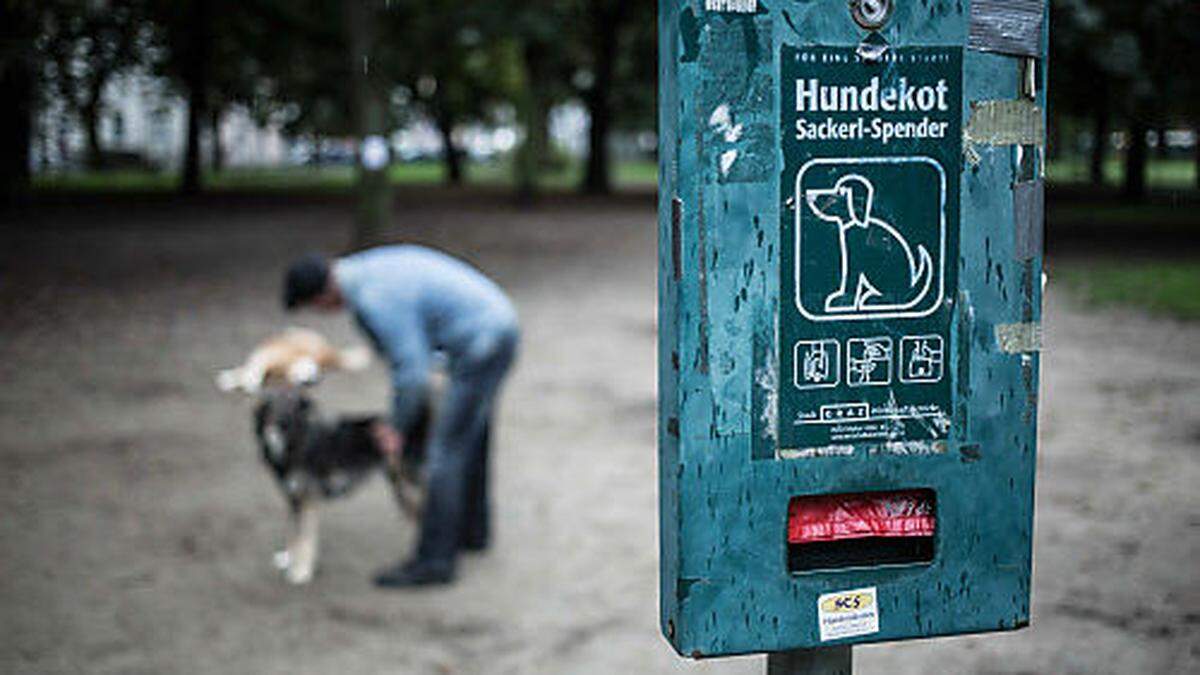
(1170,174)
(1163,174)
(1167,287)
(333,179)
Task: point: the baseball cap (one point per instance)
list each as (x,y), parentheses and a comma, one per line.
(305,279)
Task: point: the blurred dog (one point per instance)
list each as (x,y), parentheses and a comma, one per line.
(315,459)
(296,356)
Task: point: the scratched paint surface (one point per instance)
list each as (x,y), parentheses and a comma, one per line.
(725,583)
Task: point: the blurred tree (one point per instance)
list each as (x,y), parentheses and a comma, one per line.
(476,67)
(333,76)
(85,43)
(600,24)
(540,68)
(363,69)
(1117,59)
(369,114)
(304,64)
(219,54)
(611,44)
(18,82)
(203,48)
(600,52)
(1080,84)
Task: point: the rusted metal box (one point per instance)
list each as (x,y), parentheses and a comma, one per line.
(850,265)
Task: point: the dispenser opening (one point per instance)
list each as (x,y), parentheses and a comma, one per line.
(861,529)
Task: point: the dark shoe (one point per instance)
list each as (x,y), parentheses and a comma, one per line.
(473,546)
(414,573)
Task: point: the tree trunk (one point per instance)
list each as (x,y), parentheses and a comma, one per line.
(605,25)
(1161,150)
(534,114)
(91,125)
(16,115)
(1196,150)
(1099,143)
(374,191)
(451,155)
(196,81)
(1135,161)
(218,150)
(190,182)
(1162,117)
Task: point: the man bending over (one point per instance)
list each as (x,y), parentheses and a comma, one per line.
(413,302)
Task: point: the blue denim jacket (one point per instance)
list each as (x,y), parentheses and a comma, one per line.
(412,302)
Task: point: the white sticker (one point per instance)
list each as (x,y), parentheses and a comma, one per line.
(848,613)
(740,6)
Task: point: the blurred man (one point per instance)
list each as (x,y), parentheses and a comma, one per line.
(411,302)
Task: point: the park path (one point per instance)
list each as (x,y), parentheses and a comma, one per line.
(136,524)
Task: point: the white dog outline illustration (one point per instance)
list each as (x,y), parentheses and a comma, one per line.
(849,204)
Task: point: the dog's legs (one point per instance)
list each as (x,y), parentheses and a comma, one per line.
(301,552)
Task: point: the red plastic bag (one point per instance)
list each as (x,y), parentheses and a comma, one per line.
(908,513)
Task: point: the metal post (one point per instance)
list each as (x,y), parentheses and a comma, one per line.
(825,661)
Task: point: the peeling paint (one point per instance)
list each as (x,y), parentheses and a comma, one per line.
(767,380)
(721,120)
(1019,338)
(872,48)
(970,452)
(727,159)
(676,238)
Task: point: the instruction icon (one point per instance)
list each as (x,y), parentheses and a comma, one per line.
(922,359)
(869,361)
(818,363)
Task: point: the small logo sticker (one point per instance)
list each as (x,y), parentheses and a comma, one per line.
(848,614)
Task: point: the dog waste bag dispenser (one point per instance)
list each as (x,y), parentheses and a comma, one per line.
(849,320)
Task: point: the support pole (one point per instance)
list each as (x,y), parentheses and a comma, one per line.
(825,661)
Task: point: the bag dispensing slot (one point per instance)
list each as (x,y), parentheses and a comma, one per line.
(862,529)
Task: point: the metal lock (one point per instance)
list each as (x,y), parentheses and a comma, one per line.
(871,14)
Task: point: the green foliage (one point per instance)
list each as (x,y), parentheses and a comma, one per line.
(1168,287)
(1124,54)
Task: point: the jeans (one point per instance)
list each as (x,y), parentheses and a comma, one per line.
(456,508)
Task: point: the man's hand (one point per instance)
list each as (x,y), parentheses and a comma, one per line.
(389,441)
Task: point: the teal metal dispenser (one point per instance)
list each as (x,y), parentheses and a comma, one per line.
(850,266)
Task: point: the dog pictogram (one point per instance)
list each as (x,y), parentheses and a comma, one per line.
(879,271)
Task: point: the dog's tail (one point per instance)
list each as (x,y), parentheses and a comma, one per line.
(922,277)
(354,358)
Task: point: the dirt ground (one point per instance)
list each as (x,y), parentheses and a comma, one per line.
(137,526)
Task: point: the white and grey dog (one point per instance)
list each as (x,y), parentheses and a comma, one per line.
(314,460)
